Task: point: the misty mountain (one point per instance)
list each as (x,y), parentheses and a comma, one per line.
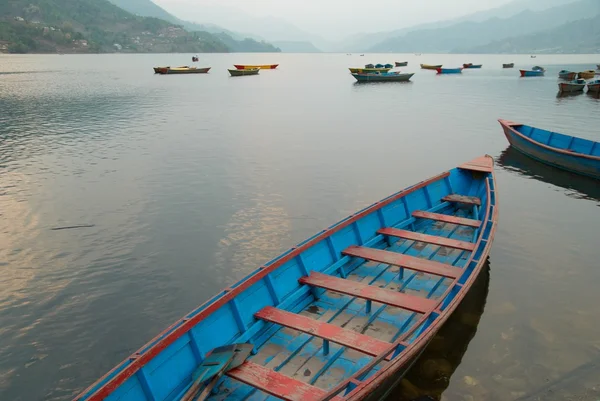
(472,34)
(581,36)
(363,41)
(289,46)
(271,29)
(247,43)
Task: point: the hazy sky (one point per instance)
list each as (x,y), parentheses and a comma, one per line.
(332,19)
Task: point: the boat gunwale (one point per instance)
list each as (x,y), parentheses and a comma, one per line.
(182,326)
(510,124)
(365,387)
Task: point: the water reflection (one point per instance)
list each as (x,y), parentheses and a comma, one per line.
(575,186)
(563,96)
(430,375)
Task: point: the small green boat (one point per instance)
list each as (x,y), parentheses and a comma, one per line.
(239,73)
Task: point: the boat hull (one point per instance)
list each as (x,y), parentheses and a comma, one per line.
(401,64)
(367,70)
(285,291)
(472,66)
(571,87)
(382,77)
(586,74)
(569,75)
(252,67)
(430,67)
(562,151)
(176,71)
(449,70)
(511,65)
(531,73)
(594,86)
(240,73)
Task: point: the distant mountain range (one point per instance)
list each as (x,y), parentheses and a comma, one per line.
(290,46)
(362,42)
(469,34)
(236,41)
(581,36)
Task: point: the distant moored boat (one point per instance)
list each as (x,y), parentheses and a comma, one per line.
(239,73)
(252,67)
(431,67)
(570,75)
(588,74)
(366,70)
(449,70)
(536,71)
(401,63)
(572,86)
(509,65)
(594,86)
(471,65)
(383,77)
(184,70)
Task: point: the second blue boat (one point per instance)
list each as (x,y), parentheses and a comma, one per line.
(577,155)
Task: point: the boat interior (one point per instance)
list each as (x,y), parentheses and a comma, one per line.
(332,312)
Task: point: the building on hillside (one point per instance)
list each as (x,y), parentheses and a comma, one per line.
(20,19)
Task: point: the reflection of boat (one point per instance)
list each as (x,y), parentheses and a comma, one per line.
(239,73)
(570,153)
(577,186)
(393,274)
(570,75)
(510,65)
(594,86)
(431,373)
(589,74)
(449,70)
(471,65)
(572,86)
(383,77)
(367,70)
(430,67)
(184,70)
(252,67)
(401,63)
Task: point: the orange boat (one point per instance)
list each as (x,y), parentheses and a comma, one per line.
(252,67)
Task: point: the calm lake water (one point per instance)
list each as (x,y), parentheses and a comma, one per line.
(186,183)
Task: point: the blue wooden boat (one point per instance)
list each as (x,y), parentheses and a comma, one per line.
(570,153)
(449,70)
(594,86)
(383,77)
(342,315)
(568,75)
(536,71)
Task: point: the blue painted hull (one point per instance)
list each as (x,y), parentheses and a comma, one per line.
(528,73)
(376,286)
(569,153)
(449,70)
(383,77)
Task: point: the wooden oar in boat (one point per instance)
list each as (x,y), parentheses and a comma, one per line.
(220,360)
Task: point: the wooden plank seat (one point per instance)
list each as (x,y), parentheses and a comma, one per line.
(348,338)
(429,239)
(447,219)
(467,200)
(399,259)
(369,292)
(277,384)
